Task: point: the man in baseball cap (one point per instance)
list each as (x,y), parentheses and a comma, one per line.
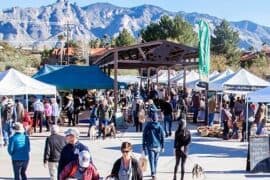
(80,169)
(72,149)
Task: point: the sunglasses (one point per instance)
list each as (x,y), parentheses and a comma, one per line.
(125,151)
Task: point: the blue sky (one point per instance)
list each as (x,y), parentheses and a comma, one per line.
(232,10)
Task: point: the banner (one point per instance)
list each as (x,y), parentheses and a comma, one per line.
(204,50)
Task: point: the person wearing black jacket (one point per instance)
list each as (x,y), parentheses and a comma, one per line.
(126,167)
(53,147)
(181,142)
(71,150)
(167,111)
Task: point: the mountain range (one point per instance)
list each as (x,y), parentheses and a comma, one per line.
(39,27)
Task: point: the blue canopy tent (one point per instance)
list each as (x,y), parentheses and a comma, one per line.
(46,69)
(76,77)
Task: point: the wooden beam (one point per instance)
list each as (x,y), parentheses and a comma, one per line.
(169,82)
(115,58)
(142,53)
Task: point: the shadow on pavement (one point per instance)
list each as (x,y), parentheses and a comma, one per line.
(35,178)
(203,150)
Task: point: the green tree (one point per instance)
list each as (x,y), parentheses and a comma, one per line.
(226,39)
(175,29)
(124,38)
(94,43)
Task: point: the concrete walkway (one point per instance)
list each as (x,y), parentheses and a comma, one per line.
(220,159)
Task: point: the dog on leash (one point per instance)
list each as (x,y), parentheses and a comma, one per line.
(197,172)
(93,133)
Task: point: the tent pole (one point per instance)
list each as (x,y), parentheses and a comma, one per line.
(220,107)
(169,83)
(184,79)
(115,57)
(246,119)
(157,75)
(1,134)
(26,102)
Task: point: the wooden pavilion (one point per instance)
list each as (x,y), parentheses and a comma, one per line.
(148,56)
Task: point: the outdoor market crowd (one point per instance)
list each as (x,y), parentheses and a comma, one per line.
(66,157)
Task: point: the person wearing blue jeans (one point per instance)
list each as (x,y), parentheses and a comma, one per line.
(19,169)
(153,143)
(168,121)
(211,119)
(19,149)
(153,154)
(211,110)
(167,111)
(6,130)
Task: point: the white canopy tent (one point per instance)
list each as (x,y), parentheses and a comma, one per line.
(163,76)
(13,82)
(129,79)
(217,83)
(191,76)
(244,81)
(193,84)
(178,75)
(261,95)
(223,74)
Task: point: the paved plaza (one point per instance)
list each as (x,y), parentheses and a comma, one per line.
(220,159)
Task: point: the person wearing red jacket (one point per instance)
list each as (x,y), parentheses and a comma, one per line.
(81,169)
(27,122)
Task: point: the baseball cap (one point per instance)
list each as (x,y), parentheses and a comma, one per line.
(72,131)
(84,158)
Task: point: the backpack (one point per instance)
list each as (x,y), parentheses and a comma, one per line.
(182,138)
(8,112)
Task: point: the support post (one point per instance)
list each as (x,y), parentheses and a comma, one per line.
(157,69)
(148,79)
(169,82)
(115,58)
(26,99)
(246,119)
(140,74)
(184,79)
(109,72)
(206,103)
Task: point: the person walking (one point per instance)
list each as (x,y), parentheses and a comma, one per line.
(19,149)
(153,142)
(93,118)
(55,111)
(212,110)
(126,167)
(104,115)
(81,169)
(167,111)
(71,149)
(196,104)
(141,115)
(181,142)
(19,110)
(70,110)
(38,114)
(9,116)
(77,108)
(47,113)
(53,147)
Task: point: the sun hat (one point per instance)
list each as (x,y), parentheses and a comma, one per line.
(18,127)
(72,131)
(10,102)
(55,129)
(84,159)
(69,96)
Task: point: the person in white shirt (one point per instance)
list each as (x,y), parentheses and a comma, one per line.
(38,114)
(55,111)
